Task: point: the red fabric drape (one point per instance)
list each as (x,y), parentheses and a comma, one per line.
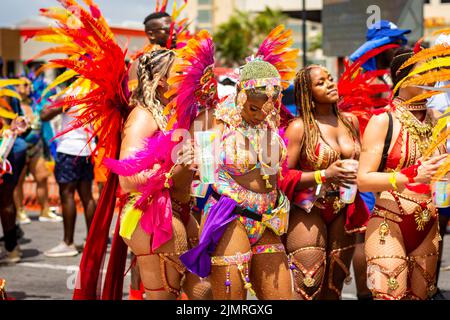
(96,243)
(289,182)
(113,288)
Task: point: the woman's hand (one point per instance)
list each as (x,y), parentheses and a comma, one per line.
(19,125)
(428,169)
(186,156)
(337,174)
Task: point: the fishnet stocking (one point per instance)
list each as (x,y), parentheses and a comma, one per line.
(234,240)
(194,287)
(385,261)
(270,273)
(394,275)
(306,246)
(162,271)
(340,250)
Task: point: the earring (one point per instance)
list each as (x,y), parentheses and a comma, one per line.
(236,113)
(242,98)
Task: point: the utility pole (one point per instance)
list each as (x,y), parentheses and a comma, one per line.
(304,31)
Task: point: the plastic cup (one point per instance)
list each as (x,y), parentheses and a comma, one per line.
(440,193)
(348,195)
(206,160)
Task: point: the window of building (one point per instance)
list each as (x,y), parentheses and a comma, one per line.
(204,16)
(204,2)
(445,1)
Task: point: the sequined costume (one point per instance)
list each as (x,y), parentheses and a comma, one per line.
(242,148)
(415,214)
(233,163)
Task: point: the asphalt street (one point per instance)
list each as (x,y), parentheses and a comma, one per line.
(40,277)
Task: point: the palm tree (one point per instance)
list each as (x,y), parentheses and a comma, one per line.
(241,35)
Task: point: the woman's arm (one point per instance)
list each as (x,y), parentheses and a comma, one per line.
(48,113)
(294,134)
(183,173)
(138,126)
(369,179)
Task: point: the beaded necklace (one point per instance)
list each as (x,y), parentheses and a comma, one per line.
(419,131)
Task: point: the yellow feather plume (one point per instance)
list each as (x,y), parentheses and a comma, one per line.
(424,79)
(67,75)
(435,143)
(442,31)
(435,51)
(443,169)
(7,114)
(10,82)
(10,93)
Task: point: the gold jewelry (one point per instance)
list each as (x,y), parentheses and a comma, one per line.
(383,231)
(420,132)
(242,97)
(415,106)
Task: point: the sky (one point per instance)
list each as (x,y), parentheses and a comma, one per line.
(115,11)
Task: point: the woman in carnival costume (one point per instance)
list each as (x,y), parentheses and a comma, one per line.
(134,129)
(402,234)
(244,218)
(321,236)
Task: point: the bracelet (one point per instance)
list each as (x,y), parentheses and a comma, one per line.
(322,176)
(317,177)
(411,172)
(393,180)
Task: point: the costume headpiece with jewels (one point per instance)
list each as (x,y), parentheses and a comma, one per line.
(194,88)
(277,50)
(102,96)
(261,76)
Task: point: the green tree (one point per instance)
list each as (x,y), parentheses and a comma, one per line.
(241,35)
(315,43)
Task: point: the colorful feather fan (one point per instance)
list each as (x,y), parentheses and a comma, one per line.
(360,92)
(434,67)
(195,86)
(8,92)
(94,57)
(276,49)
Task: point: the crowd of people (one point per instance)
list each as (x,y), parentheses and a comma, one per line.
(221,197)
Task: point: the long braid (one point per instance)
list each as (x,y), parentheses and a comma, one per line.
(304,102)
(305,108)
(152,67)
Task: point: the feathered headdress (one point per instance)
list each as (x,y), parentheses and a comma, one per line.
(195,86)
(97,62)
(5,109)
(276,49)
(100,91)
(359,91)
(434,67)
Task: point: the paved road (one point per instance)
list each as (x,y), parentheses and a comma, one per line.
(39,277)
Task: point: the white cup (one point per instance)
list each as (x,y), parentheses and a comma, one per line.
(440,193)
(207,163)
(348,195)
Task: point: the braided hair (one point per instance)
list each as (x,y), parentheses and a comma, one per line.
(152,67)
(304,101)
